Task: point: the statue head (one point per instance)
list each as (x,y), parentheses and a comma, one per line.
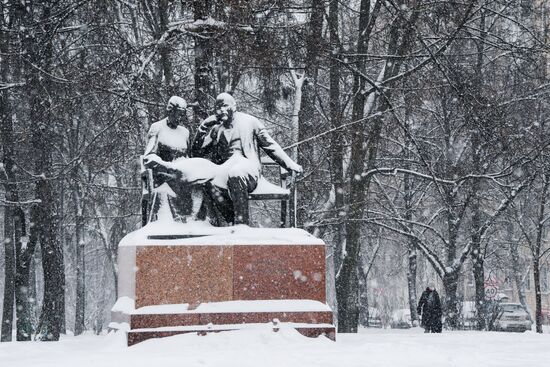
(176,110)
(225,108)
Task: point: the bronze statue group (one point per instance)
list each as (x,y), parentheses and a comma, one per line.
(211,175)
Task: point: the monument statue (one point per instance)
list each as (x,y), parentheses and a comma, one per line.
(191,277)
(168,139)
(230,139)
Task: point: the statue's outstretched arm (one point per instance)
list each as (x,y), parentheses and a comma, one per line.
(274,150)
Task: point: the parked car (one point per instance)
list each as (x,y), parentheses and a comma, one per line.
(401,319)
(374,320)
(512,317)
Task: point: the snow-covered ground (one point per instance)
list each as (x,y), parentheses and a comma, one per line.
(287,348)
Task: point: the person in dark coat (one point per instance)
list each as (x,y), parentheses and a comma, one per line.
(429,307)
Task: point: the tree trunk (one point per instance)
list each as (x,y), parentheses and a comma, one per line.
(337,141)
(61,233)
(203,64)
(516,268)
(408,193)
(452,219)
(538,298)
(450,284)
(412,263)
(100,307)
(39,48)
(477,256)
(411,280)
(23,256)
(347,282)
(109,242)
(363,299)
(8,176)
(308,116)
(34,273)
(9,275)
(53,307)
(165,57)
(477,252)
(537,251)
(79,326)
(479,281)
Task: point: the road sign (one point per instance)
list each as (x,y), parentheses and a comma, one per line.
(491,292)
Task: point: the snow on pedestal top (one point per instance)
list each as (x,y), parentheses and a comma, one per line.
(202,234)
(127,306)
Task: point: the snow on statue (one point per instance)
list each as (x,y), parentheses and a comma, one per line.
(231,139)
(168,140)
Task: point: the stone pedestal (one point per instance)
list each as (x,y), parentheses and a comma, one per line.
(183,278)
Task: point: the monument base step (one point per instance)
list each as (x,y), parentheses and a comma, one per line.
(309,330)
(141,321)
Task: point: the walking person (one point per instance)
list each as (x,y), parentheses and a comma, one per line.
(429,307)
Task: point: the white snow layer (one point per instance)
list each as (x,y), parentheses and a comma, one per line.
(216,236)
(126,278)
(200,171)
(262,346)
(266,187)
(287,305)
(177,138)
(226,327)
(124,304)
